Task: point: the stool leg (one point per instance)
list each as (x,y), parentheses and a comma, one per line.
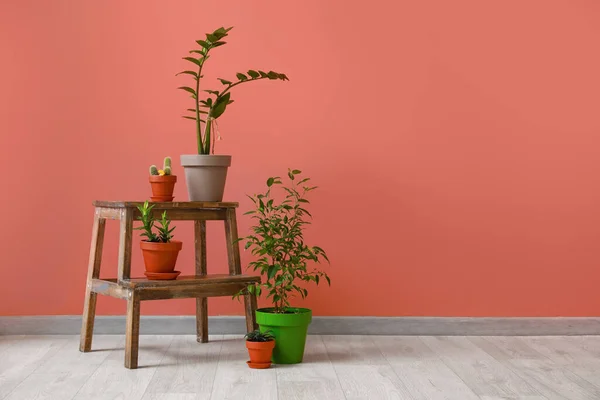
(132,333)
(202,302)
(250,306)
(233,247)
(202,320)
(89,306)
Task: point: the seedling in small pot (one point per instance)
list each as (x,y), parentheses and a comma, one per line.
(160,251)
(260,348)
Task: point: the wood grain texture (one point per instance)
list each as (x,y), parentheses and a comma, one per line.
(109,288)
(234,380)
(111,381)
(376,382)
(353,350)
(190,291)
(187,215)
(60,374)
(108,213)
(485,375)
(314,379)
(125,243)
(187,368)
(362,370)
(132,331)
(22,359)
(201,269)
(171,205)
(421,370)
(200,247)
(89,305)
(233,247)
(187,280)
(51,367)
(250,310)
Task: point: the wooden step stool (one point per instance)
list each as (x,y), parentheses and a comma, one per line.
(199,286)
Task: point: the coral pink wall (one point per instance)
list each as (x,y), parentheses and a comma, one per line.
(456,144)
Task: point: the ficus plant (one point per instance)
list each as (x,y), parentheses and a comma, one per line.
(211,106)
(277,241)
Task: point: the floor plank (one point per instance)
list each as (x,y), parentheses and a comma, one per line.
(21,359)
(420,369)
(314,378)
(362,370)
(334,367)
(484,375)
(113,381)
(188,367)
(234,380)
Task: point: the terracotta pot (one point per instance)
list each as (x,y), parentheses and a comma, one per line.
(260,353)
(162,187)
(160,257)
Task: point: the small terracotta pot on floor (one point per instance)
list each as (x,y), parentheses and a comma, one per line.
(260,354)
(162,187)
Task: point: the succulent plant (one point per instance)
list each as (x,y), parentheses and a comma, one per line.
(166,168)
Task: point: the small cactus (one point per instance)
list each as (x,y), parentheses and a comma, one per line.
(167,170)
(153,170)
(167,163)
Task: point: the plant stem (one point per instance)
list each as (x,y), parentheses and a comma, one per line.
(238,82)
(198,125)
(207,126)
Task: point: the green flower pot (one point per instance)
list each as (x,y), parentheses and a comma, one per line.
(289,330)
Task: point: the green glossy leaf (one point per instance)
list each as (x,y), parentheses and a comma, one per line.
(219,43)
(241,76)
(253,74)
(225,81)
(272,75)
(212,37)
(215,92)
(219,109)
(296,172)
(193,60)
(194,74)
(187,89)
(263,74)
(270,182)
(272,271)
(203,43)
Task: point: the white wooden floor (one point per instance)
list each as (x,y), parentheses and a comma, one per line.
(335,367)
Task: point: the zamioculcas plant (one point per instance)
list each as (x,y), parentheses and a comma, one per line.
(214,104)
(285,261)
(209,104)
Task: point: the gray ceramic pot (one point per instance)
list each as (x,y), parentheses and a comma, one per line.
(205,176)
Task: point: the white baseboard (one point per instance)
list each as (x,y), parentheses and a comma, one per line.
(451,326)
